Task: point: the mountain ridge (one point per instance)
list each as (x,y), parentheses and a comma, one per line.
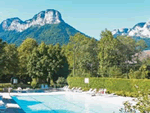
(50,16)
(47,26)
(140,31)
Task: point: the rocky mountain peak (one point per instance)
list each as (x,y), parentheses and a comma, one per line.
(50,16)
(141,29)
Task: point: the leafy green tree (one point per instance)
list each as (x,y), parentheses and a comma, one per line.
(114,72)
(130,48)
(24,50)
(2,56)
(122,52)
(146,61)
(88,60)
(33,59)
(47,63)
(42,61)
(61,82)
(10,60)
(107,52)
(81,53)
(58,66)
(132,74)
(142,73)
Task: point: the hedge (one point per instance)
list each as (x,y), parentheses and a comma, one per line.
(111,84)
(5,85)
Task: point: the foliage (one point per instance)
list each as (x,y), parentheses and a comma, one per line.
(61,82)
(34,83)
(111,84)
(10,60)
(114,72)
(21,85)
(47,62)
(142,102)
(146,61)
(81,53)
(121,52)
(2,45)
(5,85)
(24,51)
(81,57)
(142,73)
(107,52)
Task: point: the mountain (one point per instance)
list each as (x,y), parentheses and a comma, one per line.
(47,26)
(138,32)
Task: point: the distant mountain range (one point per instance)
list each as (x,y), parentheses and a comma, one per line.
(138,32)
(47,26)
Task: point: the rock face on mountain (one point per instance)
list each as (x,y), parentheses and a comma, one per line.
(47,26)
(138,32)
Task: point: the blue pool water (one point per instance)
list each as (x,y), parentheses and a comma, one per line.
(64,103)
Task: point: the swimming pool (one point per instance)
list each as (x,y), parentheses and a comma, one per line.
(66,103)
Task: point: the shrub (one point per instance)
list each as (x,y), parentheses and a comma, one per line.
(1,89)
(61,82)
(20,85)
(114,72)
(85,89)
(34,83)
(5,85)
(141,103)
(51,83)
(118,85)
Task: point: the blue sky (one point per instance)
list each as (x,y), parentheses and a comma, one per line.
(87,16)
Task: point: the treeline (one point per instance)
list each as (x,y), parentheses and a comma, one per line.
(82,57)
(32,61)
(109,57)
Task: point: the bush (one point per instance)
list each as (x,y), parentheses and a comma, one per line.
(118,85)
(85,89)
(114,72)
(109,92)
(61,82)
(20,85)
(34,83)
(1,89)
(5,85)
(142,103)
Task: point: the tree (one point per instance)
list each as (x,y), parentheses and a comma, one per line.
(24,50)
(107,52)
(122,52)
(10,60)
(114,72)
(59,65)
(47,62)
(33,59)
(81,53)
(2,56)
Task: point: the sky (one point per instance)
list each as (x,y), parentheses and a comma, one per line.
(88,16)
